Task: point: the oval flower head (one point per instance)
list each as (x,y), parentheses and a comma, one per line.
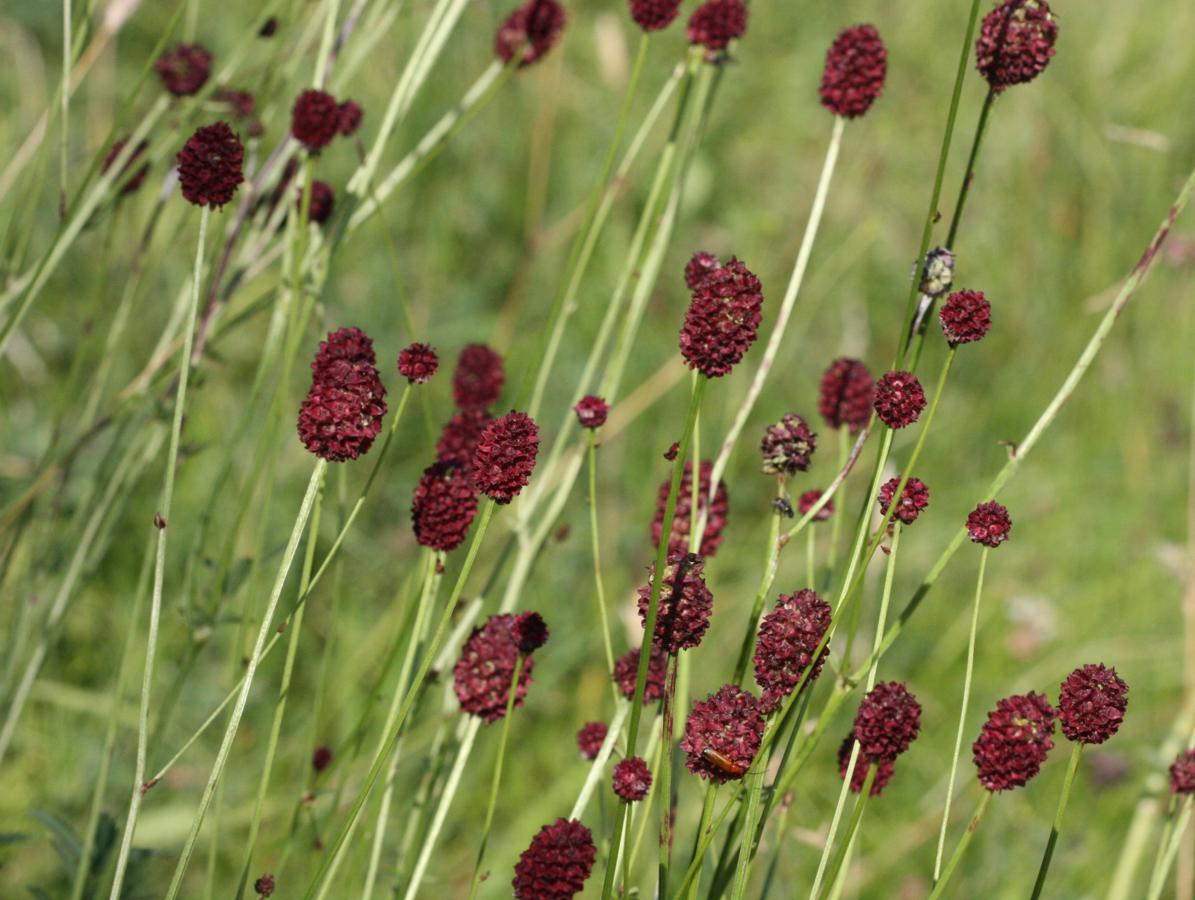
(722,321)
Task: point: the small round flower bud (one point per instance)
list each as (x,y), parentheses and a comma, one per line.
(856,65)
(321,759)
(723,318)
(626,673)
(1182,773)
(989,524)
(590,738)
(632,779)
(883,774)
(888,720)
(682,519)
(530,631)
(557,864)
(478,379)
(845,397)
(899,399)
(505,456)
(1091,704)
(787,446)
(184,70)
(1014,741)
(723,735)
(418,363)
(939,272)
(1016,43)
(265,885)
(591,411)
(716,23)
(533,28)
(209,165)
(315,119)
(685,604)
(966,316)
(913,499)
(482,675)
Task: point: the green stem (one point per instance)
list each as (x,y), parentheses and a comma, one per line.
(1076,753)
(595,537)
(771,560)
(1168,849)
(664,773)
(852,828)
(962,846)
(747,846)
(707,812)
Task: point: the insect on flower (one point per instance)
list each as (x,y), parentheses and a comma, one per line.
(723,762)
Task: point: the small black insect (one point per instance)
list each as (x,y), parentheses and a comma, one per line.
(783,506)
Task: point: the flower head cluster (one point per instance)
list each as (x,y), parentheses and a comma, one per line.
(652,15)
(482,675)
(723,734)
(807,501)
(458,439)
(632,779)
(898,399)
(682,519)
(626,673)
(716,23)
(856,65)
(938,275)
(505,456)
(784,650)
(1014,741)
(1015,43)
(888,721)
(444,505)
(418,363)
(130,183)
(698,268)
(532,28)
(557,864)
(530,631)
(723,318)
(966,316)
(590,738)
(859,776)
(210,165)
(913,499)
(591,411)
(1091,704)
(787,446)
(1182,773)
(845,397)
(685,604)
(478,379)
(184,69)
(344,407)
(989,524)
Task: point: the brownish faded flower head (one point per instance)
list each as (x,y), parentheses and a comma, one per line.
(913,499)
(315,119)
(534,27)
(348,117)
(856,65)
(505,456)
(478,379)
(210,165)
(898,399)
(319,208)
(723,318)
(787,446)
(685,604)
(716,23)
(626,673)
(418,363)
(1014,741)
(1091,704)
(966,316)
(699,267)
(264,886)
(591,411)
(1016,42)
(884,773)
(989,524)
(482,675)
(184,69)
(784,650)
(682,519)
(557,864)
(1182,773)
(590,738)
(459,437)
(128,183)
(807,500)
(845,397)
(530,631)
(723,734)
(652,15)
(888,720)
(444,505)
(632,779)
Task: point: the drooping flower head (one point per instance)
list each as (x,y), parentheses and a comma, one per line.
(1182,773)
(1091,704)
(315,119)
(478,379)
(505,456)
(557,864)
(632,779)
(723,734)
(418,363)
(128,183)
(716,23)
(845,397)
(348,117)
(534,28)
(590,738)
(210,165)
(184,69)
(888,720)
(898,399)
(482,675)
(989,524)
(856,65)
(444,505)
(685,604)
(319,208)
(787,446)
(682,519)
(591,411)
(699,267)
(807,501)
(1015,43)
(913,499)
(884,773)
(530,631)
(1014,741)
(784,650)
(723,318)
(626,673)
(966,316)
(458,439)
(652,15)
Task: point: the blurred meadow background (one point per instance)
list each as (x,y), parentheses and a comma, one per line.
(1077,171)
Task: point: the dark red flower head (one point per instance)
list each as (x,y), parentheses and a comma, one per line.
(845,398)
(807,500)
(787,446)
(1091,704)
(344,345)
(505,456)
(913,499)
(652,15)
(989,524)
(557,864)
(265,885)
(444,505)
(591,411)
(321,759)
(268,28)
(533,27)
(938,275)
(128,183)
(184,70)
(1182,773)
(883,774)
(1016,42)
(716,23)
(784,651)
(888,721)
(209,165)
(482,676)
(458,440)
(314,119)
(319,209)
(723,734)
(723,318)
(418,363)
(348,117)
(966,316)
(856,65)
(240,103)
(343,411)
(626,673)
(478,379)
(590,739)
(632,779)
(682,519)
(898,399)
(699,267)
(685,604)
(530,631)
(1014,741)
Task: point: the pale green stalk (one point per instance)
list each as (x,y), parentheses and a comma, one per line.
(595,538)
(598,767)
(962,846)
(65,94)
(1072,767)
(837,871)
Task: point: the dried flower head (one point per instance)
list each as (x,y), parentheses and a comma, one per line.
(314,119)
(530,631)
(184,69)
(590,738)
(913,499)
(787,446)
(989,524)
(209,165)
(1091,704)
(444,505)
(591,411)
(845,397)
(348,117)
(482,675)
(1014,741)
(699,267)
(898,399)
(724,728)
(418,363)
(557,864)
(1182,773)
(966,316)
(632,779)
(1016,42)
(807,501)
(478,379)
(319,208)
(682,519)
(265,885)
(626,673)
(938,274)
(888,720)
(505,456)
(716,23)
(723,318)
(321,759)
(128,183)
(459,437)
(883,774)
(685,604)
(534,28)
(856,65)
(784,650)
(652,15)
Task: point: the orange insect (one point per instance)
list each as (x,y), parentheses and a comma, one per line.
(723,762)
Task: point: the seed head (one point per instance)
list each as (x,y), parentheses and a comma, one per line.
(530,631)
(128,183)
(533,27)
(888,721)
(1016,42)
(626,672)
(632,779)
(314,119)
(505,456)
(348,117)
(682,519)
(784,651)
(716,23)
(209,165)
(418,363)
(482,675)
(862,764)
(899,399)
(685,604)
(787,446)
(807,500)
(1014,741)
(846,391)
(913,499)
(966,316)
(459,437)
(1182,773)
(989,524)
(591,411)
(478,379)
(1091,704)
(444,505)
(557,864)
(727,722)
(723,318)
(699,267)
(184,69)
(856,65)
(590,739)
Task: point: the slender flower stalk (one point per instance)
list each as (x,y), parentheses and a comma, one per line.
(962,846)
(595,538)
(1172,836)
(1068,781)
(835,870)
